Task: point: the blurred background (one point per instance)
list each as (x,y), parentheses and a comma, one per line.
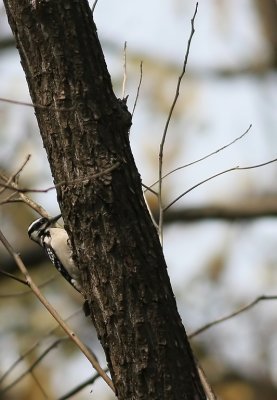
(220,239)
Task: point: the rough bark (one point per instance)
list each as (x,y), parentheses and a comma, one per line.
(85,130)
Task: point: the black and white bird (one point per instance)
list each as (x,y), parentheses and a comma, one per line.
(55,242)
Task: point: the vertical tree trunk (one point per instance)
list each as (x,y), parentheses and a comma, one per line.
(85,131)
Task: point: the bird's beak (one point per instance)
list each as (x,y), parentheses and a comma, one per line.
(55,219)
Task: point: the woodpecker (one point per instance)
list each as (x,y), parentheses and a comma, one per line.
(55,242)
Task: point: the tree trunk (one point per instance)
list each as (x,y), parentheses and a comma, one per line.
(85,131)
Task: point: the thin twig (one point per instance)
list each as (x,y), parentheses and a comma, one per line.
(232,315)
(9,199)
(202,158)
(216,175)
(34,364)
(161,209)
(67,183)
(80,387)
(149,189)
(138,90)
(151,214)
(23,103)
(54,313)
(20,169)
(39,385)
(124,70)
(13,176)
(206,385)
(25,292)
(32,348)
(20,103)
(93,6)
(31,203)
(5,273)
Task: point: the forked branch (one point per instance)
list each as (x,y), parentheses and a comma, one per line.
(161,152)
(215,176)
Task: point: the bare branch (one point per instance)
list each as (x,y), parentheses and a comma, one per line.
(149,189)
(16,173)
(202,158)
(32,348)
(31,203)
(20,103)
(216,175)
(138,90)
(124,70)
(41,388)
(80,387)
(5,273)
(67,183)
(232,315)
(26,292)
(10,199)
(208,389)
(35,363)
(93,6)
(23,103)
(161,209)
(54,313)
